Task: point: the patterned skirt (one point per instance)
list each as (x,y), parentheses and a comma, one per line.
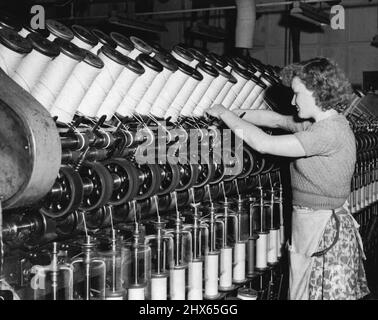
(340,273)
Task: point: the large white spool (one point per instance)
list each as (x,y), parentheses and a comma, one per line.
(140,86)
(273,249)
(262,244)
(212,92)
(171,89)
(242,78)
(58,30)
(120,88)
(136,293)
(177,283)
(139,47)
(239,262)
(209,74)
(124,45)
(181,54)
(195,280)
(211,275)
(114,63)
(13,49)
(32,66)
(53,78)
(76,86)
(83,38)
(243,94)
(159,287)
(227,87)
(183,95)
(169,67)
(225,273)
(256,91)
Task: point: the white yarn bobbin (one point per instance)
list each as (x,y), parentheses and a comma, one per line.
(177,283)
(243,94)
(124,44)
(198,57)
(114,63)
(273,249)
(58,30)
(139,47)
(32,66)
(256,91)
(225,273)
(53,78)
(227,87)
(211,275)
(212,92)
(140,86)
(136,293)
(183,95)
(159,287)
(239,262)
(103,40)
(181,54)
(195,280)
(282,234)
(242,77)
(83,38)
(169,67)
(13,48)
(209,73)
(76,86)
(120,88)
(257,103)
(171,90)
(279,247)
(262,243)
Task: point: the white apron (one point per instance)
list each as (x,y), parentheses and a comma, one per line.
(307,231)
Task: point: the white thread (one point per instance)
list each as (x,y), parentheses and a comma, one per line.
(136,92)
(243,95)
(134,53)
(24,32)
(124,51)
(211,93)
(81,44)
(273,249)
(51,37)
(181,98)
(53,79)
(256,104)
(116,94)
(177,284)
(9,60)
(198,93)
(261,250)
(225,276)
(153,91)
(30,69)
(97,47)
(168,93)
(211,275)
(195,281)
(256,91)
(194,63)
(136,293)
(222,94)
(235,89)
(73,91)
(239,262)
(100,87)
(159,288)
(228,68)
(279,253)
(282,234)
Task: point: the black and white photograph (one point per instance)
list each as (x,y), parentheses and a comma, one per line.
(189,154)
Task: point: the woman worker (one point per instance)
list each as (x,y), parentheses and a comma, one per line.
(326,250)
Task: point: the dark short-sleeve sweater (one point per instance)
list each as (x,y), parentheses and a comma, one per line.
(322,179)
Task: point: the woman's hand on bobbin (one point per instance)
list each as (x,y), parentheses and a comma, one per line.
(216,110)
